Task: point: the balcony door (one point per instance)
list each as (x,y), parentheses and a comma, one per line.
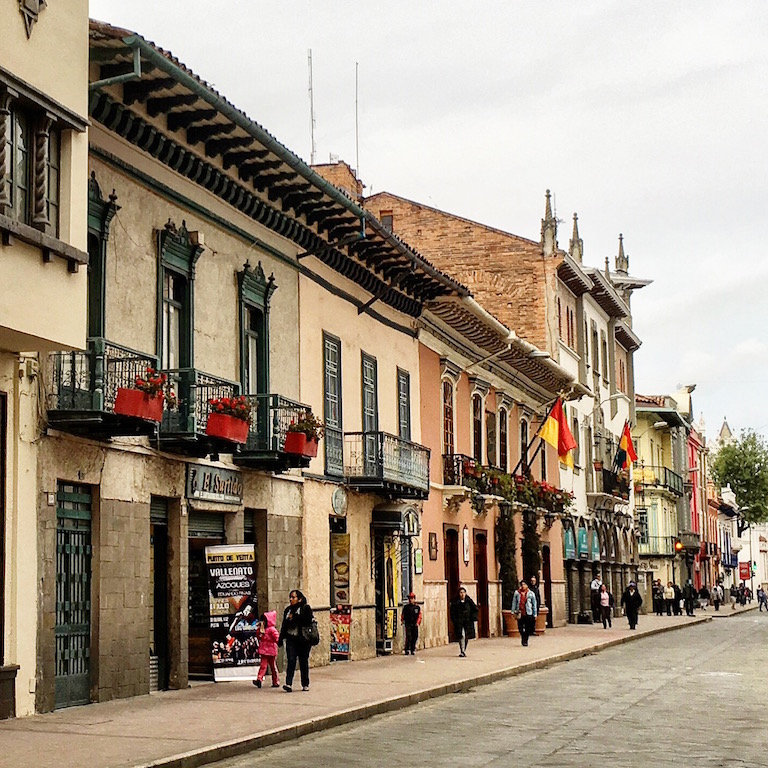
(370,416)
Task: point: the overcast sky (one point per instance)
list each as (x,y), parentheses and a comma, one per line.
(646,118)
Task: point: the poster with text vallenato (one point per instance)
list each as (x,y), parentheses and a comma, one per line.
(234,612)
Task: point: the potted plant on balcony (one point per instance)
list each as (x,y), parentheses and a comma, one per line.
(303,435)
(145,399)
(229,418)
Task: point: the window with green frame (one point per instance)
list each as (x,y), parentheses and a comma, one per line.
(255,292)
(178,251)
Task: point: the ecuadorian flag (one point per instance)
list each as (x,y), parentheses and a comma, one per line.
(555,432)
(626,453)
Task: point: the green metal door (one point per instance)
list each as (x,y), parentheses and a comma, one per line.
(73,595)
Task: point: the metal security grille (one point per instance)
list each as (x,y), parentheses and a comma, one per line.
(73,595)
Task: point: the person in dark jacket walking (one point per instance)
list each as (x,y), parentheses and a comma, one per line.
(463,617)
(631,602)
(296,617)
(410,617)
(533,585)
(689,596)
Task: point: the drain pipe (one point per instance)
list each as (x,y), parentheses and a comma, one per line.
(135,75)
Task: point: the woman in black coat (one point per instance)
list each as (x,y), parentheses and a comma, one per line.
(296,616)
(463,617)
(631,602)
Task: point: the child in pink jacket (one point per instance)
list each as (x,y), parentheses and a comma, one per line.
(268,637)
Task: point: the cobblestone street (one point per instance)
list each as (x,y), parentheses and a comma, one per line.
(631,705)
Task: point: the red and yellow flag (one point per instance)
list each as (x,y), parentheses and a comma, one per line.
(555,432)
(626,453)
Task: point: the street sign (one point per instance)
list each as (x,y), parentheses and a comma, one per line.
(744,571)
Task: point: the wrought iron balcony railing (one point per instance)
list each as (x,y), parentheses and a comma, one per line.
(384,463)
(457,467)
(334,452)
(614,484)
(83,388)
(656,545)
(658,477)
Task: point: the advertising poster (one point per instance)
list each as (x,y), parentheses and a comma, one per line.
(233,611)
(341,621)
(340,569)
(391,588)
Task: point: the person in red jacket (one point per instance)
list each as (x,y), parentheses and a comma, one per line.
(268,637)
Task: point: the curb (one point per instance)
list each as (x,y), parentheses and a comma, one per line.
(242,746)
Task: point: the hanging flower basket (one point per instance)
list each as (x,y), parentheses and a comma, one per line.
(139,404)
(299,444)
(227,427)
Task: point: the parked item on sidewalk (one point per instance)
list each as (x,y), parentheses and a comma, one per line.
(606,607)
(297,615)
(410,618)
(463,616)
(268,638)
(631,602)
(524,607)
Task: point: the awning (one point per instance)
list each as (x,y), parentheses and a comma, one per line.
(397,518)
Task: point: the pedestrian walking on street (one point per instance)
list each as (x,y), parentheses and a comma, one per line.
(533,585)
(704,596)
(669,598)
(606,607)
(631,602)
(410,618)
(717,595)
(658,597)
(678,606)
(268,637)
(463,618)
(689,596)
(594,596)
(297,615)
(734,592)
(524,607)
(762,598)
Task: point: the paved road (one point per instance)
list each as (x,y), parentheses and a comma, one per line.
(690,697)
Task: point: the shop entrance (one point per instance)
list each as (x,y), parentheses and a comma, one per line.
(158,594)
(451,549)
(206,529)
(73,595)
(481,576)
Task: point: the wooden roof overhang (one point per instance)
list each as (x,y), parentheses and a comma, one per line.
(627,337)
(605,295)
(494,339)
(573,276)
(149,98)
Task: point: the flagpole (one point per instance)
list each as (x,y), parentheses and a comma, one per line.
(528,447)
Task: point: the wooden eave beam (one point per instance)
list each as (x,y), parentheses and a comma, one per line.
(198,133)
(185,119)
(320,211)
(162,104)
(279,191)
(249,169)
(263,181)
(136,90)
(222,146)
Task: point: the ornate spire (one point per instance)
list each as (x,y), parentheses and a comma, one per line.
(549,229)
(576,247)
(622,262)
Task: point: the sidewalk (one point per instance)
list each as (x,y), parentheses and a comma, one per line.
(210,722)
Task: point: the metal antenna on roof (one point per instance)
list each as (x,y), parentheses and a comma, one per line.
(311,111)
(357,135)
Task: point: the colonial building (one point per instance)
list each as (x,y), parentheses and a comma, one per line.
(43,182)
(581,318)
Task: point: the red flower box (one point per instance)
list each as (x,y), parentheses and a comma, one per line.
(227,427)
(299,443)
(134,402)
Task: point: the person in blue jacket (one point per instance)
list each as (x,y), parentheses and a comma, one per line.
(525,608)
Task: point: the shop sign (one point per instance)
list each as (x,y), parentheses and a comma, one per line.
(569,545)
(233,611)
(594,546)
(418,561)
(744,571)
(341,621)
(214,484)
(391,588)
(340,568)
(582,541)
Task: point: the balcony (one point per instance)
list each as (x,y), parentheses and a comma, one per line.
(83,388)
(657,546)
(457,468)
(659,477)
(377,462)
(182,430)
(271,415)
(611,488)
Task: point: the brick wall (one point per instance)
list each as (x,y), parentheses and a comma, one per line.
(507,274)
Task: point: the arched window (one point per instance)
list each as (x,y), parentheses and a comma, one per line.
(447,417)
(503,452)
(477,428)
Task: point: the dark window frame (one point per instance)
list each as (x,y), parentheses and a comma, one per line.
(404,404)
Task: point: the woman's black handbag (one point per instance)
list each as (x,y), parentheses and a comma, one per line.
(311,634)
